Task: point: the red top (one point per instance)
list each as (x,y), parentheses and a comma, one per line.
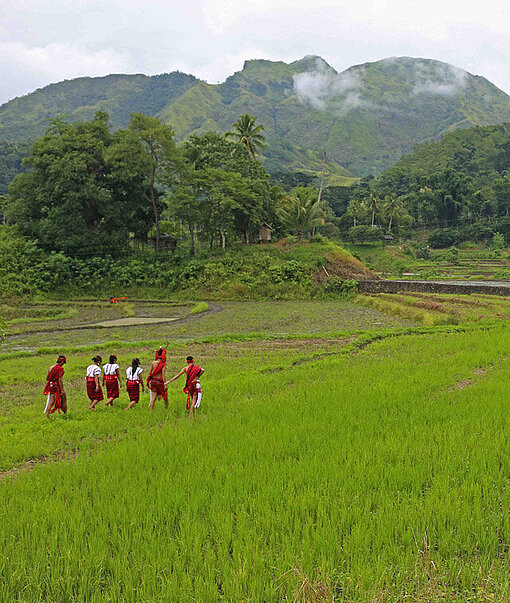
(192,373)
(54,375)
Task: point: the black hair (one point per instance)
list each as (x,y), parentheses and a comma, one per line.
(135,363)
(97,359)
(189,358)
(159,353)
(113,358)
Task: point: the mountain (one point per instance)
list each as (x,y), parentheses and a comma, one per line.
(25,118)
(364,118)
(481,155)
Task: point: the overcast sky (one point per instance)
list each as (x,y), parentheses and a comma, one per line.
(45,41)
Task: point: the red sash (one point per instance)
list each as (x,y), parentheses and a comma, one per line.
(192,373)
(53,387)
(157,370)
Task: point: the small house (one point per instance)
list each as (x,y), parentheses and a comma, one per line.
(265,233)
(166,241)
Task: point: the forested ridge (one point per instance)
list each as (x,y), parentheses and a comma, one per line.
(363,118)
(90,196)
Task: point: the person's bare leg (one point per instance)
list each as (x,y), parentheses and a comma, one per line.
(192,405)
(130,405)
(153,400)
(49,404)
(64,404)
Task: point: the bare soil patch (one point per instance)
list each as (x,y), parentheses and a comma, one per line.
(463,383)
(28,465)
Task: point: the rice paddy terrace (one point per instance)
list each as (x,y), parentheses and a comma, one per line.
(344,451)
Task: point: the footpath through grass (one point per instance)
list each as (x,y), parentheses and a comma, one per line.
(319,469)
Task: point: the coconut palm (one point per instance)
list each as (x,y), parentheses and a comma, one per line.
(374,205)
(393,208)
(246,132)
(357,210)
(302,212)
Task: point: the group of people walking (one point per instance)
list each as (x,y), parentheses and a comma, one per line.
(109,377)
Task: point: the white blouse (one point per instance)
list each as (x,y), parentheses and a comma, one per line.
(136,377)
(110,369)
(93,370)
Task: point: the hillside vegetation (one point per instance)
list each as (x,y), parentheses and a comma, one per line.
(365,118)
(278,271)
(460,184)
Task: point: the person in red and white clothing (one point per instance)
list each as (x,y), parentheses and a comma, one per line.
(133,381)
(94,391)
(54,390)
(156,379)
(192,388)
(111,378)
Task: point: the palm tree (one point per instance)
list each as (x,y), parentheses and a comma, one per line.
(374,205)
(248,134)
(302,212)
(357,210)
(391,208)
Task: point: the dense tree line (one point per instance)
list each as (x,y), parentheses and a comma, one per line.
(456,189)
(11,159)
(459,185)
(87,190)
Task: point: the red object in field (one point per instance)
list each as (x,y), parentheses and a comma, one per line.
(116,300)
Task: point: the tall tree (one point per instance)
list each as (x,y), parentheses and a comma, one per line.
(223,175)
(162,159)
(374,205)
(247,133)
(128,165)
(66,201)
(357,209)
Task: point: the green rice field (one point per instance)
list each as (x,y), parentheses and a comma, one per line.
(343,452)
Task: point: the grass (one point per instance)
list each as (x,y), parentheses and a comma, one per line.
(282,317)
(395,261)
(431,309)
(199,307)
(324,466)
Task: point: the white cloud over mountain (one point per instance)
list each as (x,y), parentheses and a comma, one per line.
(44,41)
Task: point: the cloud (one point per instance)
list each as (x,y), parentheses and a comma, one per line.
(44,41)
(321,86)
(339,93)
(441,80)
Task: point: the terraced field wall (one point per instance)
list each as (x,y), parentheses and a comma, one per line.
(464,288)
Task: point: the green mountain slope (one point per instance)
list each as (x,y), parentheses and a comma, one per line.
(482,154)
(364,118)
(24,119)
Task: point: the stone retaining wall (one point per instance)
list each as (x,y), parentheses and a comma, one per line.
(382,286)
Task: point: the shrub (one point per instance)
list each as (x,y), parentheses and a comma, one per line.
(498,242)
(365,234)
(199,308)
(443,237)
